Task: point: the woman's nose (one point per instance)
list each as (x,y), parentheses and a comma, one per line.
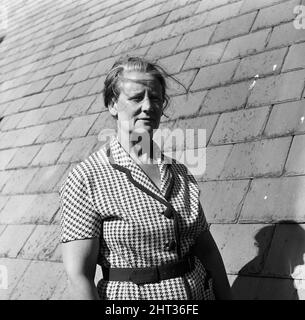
(146,103)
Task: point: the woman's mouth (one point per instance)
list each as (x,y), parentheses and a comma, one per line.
(146,119)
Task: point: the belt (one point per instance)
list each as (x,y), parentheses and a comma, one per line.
(150,274)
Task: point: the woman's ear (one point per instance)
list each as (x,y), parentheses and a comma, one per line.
(113,108)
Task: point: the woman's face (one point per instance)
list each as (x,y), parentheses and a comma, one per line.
(139,106)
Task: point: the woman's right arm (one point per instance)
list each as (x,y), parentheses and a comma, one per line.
(80,259)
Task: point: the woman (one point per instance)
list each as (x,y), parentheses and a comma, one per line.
(132,211)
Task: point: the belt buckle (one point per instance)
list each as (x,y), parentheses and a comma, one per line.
(142,276)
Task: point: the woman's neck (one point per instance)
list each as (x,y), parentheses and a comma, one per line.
(141,147)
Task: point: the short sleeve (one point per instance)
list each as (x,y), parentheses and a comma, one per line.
(202,222)
(79,219)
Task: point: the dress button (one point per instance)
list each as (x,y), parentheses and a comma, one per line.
(168,213)
(170,245)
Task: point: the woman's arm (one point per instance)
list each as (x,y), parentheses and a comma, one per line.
(207,252)
(80,259)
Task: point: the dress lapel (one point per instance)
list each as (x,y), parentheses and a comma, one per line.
(167,178)
(121,160)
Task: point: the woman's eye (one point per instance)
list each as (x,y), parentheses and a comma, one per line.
(140,99)
(137,99)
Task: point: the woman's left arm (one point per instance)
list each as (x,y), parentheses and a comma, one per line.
(207,252)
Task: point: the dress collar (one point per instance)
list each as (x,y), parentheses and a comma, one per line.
(122,157)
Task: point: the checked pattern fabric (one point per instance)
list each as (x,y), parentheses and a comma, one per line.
(108,196)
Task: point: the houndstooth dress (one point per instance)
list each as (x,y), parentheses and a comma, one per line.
(109,196)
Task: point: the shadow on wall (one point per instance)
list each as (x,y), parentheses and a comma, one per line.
(275,273)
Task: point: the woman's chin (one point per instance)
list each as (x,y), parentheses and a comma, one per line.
(144,127)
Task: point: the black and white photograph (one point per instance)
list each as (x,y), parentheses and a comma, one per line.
(152,150)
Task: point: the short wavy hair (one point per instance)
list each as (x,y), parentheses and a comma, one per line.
(111,90)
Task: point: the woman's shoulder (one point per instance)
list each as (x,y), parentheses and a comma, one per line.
(95,164)
(182,169)
(177,165)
